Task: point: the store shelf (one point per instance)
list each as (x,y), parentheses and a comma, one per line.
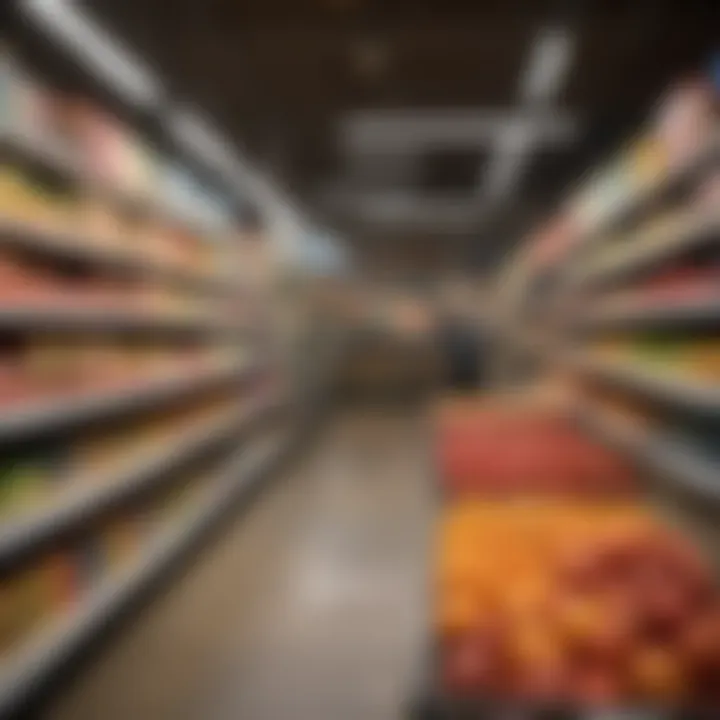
(60,160)
(705,157)
(646,247)
(41,151)
(24,673)
(58,319)
(665,456)
(639,312)
(42,417)
(21,537)
(76,246)
(686,466)
(676,390)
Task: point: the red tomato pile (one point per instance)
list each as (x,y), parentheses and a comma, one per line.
(494,451)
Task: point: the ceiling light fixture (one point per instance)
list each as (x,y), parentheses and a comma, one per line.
(104,55)
(547,67)
(549,62)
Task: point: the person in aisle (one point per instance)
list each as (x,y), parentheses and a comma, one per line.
(463,359)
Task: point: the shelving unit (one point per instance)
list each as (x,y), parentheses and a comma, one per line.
(74,245)
(26,534)
(64,638)
(108,475)
(52,319)
(638,313)
(664,456)
(689,393)
(635,239)
(59,159)
(647,247)
(62,415)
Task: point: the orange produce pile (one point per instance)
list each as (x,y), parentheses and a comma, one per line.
(593,604)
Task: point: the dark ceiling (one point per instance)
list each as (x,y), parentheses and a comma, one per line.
(282,77)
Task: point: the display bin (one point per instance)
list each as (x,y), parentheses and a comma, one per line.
(431,701)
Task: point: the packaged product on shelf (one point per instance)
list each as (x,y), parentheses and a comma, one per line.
(153,240)
(707,196)
(158,299)
(185,248)
(109,451)
(17,283)
(24,605)
(90,458)
(21,100)
(138,165)
(63,582)
(26,479)
(24,197)
(105,365)
(121,541)
(661,350)
(648,159)
(53,367)
(16,197)
(99,222)
(703,359)
(685,120)
(98,142)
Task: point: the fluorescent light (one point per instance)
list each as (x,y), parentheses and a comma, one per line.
(409,208)
(547,67)
(203,140)
(105,56)
(392,132)
(549,61)
(510,155)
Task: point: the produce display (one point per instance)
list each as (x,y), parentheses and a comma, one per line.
(553,586)
(587,604)
(504,451)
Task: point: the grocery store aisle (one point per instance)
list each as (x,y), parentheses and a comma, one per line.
(312,607)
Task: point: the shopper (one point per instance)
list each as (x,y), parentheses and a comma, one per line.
(460,345)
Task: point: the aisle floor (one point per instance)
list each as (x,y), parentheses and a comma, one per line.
(311,607)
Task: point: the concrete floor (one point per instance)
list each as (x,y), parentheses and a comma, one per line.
(311,607)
